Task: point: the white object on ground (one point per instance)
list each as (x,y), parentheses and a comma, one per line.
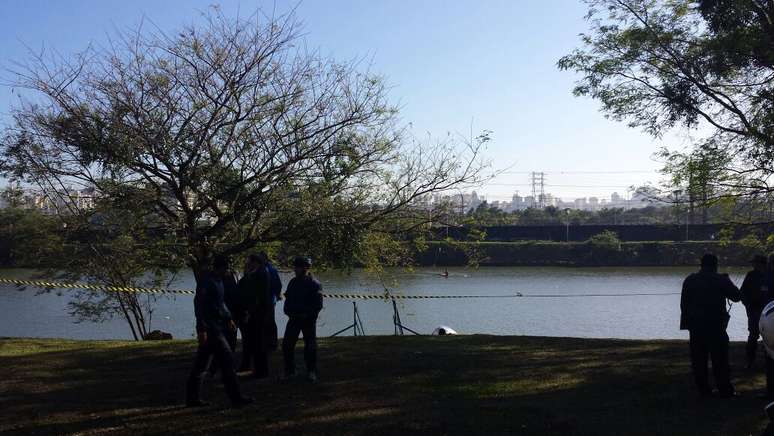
(442,330)
(766,326)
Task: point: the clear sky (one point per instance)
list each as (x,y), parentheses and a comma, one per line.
(450,63)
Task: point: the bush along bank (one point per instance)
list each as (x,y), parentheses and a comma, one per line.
(590,253)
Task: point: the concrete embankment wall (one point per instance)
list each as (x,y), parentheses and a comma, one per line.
(630,233)
(584,254)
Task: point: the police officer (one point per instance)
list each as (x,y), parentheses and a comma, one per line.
(254,288)
(704,315)
(213,320)
(754,289)
(303,302)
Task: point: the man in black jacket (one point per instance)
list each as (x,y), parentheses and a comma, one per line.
(254,291)
(238,311)
(704,315)
(213,320)
(303,302)
(754,298)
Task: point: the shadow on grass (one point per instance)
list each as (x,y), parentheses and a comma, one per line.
(380,386)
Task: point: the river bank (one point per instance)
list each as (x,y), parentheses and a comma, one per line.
(580,254)
(463,385)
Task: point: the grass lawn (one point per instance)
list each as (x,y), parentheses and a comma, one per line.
(461,385)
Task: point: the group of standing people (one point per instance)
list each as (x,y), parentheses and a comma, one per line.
(224,305)
(705,314)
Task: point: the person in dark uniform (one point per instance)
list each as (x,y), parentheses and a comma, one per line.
(254,288)
(213,320)
(275,286)
(238,311)
(754,298)
(703,313)
(236,306)
(303,302)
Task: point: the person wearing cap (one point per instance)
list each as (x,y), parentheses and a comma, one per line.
(703,313)
(754,289)
(213,320)
(303,302)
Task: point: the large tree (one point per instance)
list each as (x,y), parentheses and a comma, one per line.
(705,65)
(226,135)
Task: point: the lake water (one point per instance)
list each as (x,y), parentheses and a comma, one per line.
(25,314)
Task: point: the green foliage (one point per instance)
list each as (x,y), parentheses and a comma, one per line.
(31,239)
(752,241)
(702,65)
(605,240)
(726,235)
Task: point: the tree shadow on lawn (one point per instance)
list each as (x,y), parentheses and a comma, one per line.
(383,386)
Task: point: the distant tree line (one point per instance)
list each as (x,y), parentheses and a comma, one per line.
(718,212)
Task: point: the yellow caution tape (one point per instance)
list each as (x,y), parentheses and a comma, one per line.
(374,296)
(62,285)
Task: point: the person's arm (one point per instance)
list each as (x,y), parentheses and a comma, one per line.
(685,297)
(289,297)
(746,289)
(318,297)
(264,297)
(198,312)
(730,290)
(276,283)
(200,300)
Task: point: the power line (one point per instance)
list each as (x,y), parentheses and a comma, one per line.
(585,172)
(547,185)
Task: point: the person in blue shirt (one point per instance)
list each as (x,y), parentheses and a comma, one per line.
(303,302)
(275,287)
(213,321)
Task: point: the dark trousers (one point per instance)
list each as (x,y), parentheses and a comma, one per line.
(752,337)
(255,346)
(296,326)
(273,332)
(216,348)
(710,344)
(231,338)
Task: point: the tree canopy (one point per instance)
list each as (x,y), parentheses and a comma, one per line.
(216,139)
(227,134)
(705,65)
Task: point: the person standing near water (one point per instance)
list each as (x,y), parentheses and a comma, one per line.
(303,302)
(703,313)
(754,289)
(275,286)
(213,320)
(254,288)
(238,313)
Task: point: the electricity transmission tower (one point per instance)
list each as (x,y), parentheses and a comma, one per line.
(538,189)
